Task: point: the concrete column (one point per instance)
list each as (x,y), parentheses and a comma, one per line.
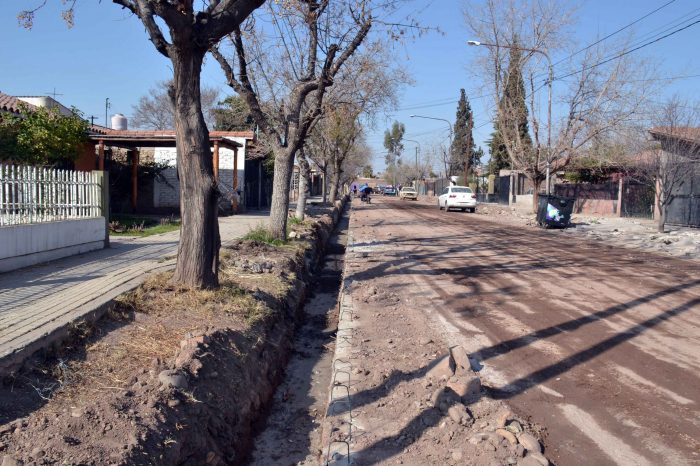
(103,181)
(216,161)
(134,178)
(621,186)
(101,155)
(235,180)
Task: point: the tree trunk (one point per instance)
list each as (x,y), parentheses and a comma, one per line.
(198,249)
(536,195)
(661,207)
(335,179)
(324,190)
(284,167)
(304,186)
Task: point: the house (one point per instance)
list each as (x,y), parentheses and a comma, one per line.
(230,150)
(234,153)
(684,143)
(14,104)
(10,104)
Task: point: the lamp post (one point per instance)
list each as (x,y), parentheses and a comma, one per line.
(449,126)
(549,103)
(417,151)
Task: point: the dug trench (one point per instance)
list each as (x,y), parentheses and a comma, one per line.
(173,376)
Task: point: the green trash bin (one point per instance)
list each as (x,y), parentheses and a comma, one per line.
(554,211)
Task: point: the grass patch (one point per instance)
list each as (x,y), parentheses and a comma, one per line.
(262,234)
(294,220)
(129,225)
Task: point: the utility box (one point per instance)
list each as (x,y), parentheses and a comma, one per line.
(554,211)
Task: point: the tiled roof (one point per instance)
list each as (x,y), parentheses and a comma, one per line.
(691,134)
(166,133)
(12,104)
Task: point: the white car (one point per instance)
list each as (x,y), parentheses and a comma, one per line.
(457,197)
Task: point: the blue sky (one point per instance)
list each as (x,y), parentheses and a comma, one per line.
(107,54)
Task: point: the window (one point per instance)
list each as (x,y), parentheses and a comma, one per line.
(462,190)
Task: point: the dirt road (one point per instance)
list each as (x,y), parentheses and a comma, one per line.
(600,345)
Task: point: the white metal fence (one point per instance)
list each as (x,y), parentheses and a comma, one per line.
(36,195)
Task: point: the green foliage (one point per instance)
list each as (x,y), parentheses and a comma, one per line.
(42,136)
(233,114)
(262,234)
(499,155)
(463,148)
(367,171)
(515,114)
(268,163)
(393,143)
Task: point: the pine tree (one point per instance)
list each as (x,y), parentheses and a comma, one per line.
(499,155)
(463,149)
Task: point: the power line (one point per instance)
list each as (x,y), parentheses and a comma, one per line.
(586,68)
(615,32)
(653,34)
(669,78)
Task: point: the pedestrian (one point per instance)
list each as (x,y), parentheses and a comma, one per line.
(354,190)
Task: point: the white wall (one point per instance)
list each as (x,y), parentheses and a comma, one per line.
(168,195)
(25,245)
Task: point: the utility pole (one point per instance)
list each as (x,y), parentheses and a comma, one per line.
(417,150)
(449,126)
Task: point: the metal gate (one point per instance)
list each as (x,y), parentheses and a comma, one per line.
(684,208)
(503,190)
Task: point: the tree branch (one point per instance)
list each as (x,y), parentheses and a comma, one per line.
(244,87)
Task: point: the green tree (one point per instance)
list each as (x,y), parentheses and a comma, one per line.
(42,136)
(183,31)
(499,155)
(367,171)
(233,114)
(512,128)
(463,152)
(393,143)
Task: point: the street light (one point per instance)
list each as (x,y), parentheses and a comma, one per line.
(417,150)
(549,83)
(449,126)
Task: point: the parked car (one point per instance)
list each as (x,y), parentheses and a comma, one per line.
(379,189)
(408,192)
(457,197)
(389,191)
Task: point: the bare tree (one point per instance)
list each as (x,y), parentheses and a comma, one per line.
(355,162)
(304,184)
(367,86)
(673,161)
(598,96)
(285,85)
(189,34)
(155,110)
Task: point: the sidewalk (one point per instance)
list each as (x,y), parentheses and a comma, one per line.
(38,304)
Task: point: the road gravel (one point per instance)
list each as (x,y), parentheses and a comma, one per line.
(597,343)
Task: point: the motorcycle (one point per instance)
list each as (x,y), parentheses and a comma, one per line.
(366,198)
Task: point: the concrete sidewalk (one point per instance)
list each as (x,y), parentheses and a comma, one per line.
(38,304)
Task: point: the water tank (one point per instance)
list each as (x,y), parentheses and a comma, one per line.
(119,122)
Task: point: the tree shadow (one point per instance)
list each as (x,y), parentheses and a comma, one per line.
(387,447)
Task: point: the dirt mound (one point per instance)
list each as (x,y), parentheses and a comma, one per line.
(170,375)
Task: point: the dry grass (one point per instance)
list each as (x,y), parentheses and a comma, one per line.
(149,323)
